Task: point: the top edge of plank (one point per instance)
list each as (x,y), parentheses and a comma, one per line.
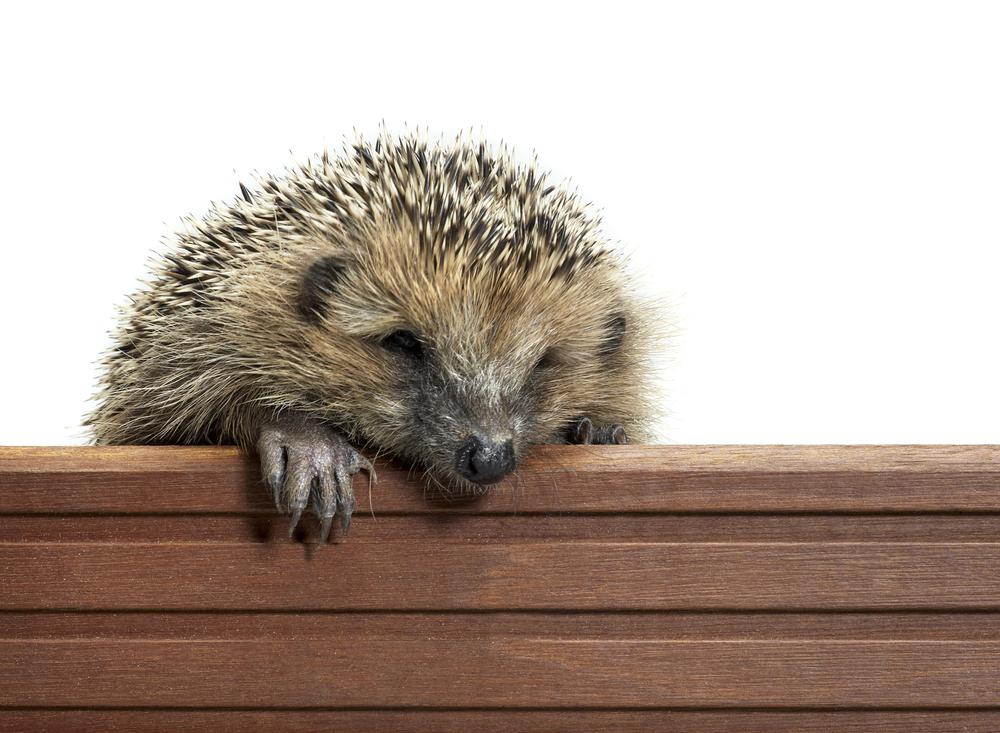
(603,479)
(611,459)
(770,457)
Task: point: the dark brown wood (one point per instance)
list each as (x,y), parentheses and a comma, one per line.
(341,628)
(716,588)
(510,672)
(566,576)
(517,528)
(530,721)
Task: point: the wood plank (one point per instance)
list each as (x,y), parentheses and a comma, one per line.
(517,528)
(150,480)
(516,672)
(510,721)
(591,576)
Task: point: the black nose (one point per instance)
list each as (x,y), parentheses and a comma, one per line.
(485,462)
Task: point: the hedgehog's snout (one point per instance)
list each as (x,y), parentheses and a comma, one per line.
(484,461)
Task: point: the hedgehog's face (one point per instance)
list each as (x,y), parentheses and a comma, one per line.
(462,377)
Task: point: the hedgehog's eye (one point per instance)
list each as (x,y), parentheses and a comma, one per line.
(403,342)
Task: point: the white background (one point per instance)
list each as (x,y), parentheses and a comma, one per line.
(817,185)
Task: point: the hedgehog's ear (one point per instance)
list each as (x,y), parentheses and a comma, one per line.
(321,281)
(614,335)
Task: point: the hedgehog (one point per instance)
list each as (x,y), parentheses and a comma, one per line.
(438,303)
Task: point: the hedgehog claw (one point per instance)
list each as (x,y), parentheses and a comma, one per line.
(324,531)
(296,516)
(583,432)
(610,434)
(307,463)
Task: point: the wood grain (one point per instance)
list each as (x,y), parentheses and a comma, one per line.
(566,576)
(707,588)
(500,673)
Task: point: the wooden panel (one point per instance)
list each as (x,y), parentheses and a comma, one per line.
(500,673)
(511,660)
(726,588)
(516,528)
(563,576)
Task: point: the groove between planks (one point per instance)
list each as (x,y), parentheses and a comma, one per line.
(340,628)
(528,721)
(427,529)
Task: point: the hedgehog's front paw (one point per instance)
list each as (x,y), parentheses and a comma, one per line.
(583,432)
(302,459)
